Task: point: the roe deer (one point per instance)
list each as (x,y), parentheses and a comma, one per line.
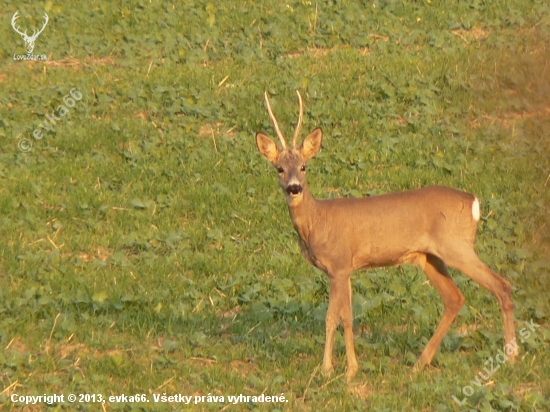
(431,227)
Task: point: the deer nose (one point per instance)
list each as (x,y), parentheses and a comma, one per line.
(294,189)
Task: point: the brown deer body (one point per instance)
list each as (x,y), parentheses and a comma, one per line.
(430,227)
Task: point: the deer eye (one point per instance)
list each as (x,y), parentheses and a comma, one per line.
(303,168)
(280,170)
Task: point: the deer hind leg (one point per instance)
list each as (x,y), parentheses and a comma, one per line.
(339,306)
(473,267)
(453,300)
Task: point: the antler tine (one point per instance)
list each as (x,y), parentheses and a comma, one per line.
(46,20)
(37,32)
(274,120)
(13,21)
(300,120)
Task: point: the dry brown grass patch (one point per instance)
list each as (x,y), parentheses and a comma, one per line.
(466,329)
(509,119)
(215,129)
(362,391)
(71,349)
(17,345)
(475,34)
(245,368)
(74,63)
(100,253)
(319,52)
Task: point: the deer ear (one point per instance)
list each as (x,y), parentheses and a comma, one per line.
(312,144)
(266,147)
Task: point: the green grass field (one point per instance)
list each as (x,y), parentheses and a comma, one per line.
(146,248)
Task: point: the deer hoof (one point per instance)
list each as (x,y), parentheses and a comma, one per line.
(327,370)
(351,372)
(419,365)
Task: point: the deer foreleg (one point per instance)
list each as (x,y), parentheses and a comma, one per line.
(340,307)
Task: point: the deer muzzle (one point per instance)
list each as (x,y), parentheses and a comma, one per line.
(294,189)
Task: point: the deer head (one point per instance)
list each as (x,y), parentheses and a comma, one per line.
(290,162)
(29,40)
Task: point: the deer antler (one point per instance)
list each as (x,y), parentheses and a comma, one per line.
(300,120)
(13,19)
(274,120)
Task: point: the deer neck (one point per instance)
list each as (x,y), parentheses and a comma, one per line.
(303,210)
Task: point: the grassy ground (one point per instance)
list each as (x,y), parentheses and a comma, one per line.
(146,247)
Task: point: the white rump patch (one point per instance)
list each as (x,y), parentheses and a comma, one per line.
(475,209)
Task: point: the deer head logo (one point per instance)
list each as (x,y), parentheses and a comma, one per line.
(29,40)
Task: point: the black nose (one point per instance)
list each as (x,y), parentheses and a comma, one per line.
(294,189)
